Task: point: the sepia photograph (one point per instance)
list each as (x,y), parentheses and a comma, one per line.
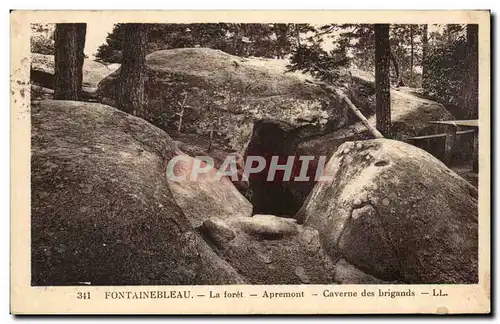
(233,153)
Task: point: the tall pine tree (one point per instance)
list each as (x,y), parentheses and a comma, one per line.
(425,51)
(69,46)
(382,85)
(131,97)
(470,90)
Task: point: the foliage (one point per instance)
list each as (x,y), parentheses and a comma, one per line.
(446,66)
(354,46)
(360,43)
(402,36)
(42,45)
(312,58)
(261,40)
(316,61)
(42,39)
(360,39)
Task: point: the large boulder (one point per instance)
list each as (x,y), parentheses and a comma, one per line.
(225,92)
(207,195)
(102,211)
(42,73)
(396,213)
(197,145)
(270,250)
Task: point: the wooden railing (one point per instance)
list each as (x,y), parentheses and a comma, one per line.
(452,126)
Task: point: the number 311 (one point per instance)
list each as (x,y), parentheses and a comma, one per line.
(83,295)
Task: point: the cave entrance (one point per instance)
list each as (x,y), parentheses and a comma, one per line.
(277,197)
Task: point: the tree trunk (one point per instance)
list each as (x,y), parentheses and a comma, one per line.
(425,49)
(297,35)
(470,91)
(131,96)
(68,61)
(399,77)
(81,31)
(239,46)
(411,53)
(447,33)
(382,86)
(281,31)
(451,31)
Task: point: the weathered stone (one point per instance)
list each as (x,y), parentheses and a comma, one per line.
(102,211)
(216,89)
(271,250)
(424,224)
(206,196)
(220,232)
(346,273)
(375,254)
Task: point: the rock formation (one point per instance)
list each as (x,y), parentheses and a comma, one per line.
(396,213)
(102,211)
(270,250)
(215,93)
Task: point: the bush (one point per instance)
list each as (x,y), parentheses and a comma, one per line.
(42,45)
(237,39)
(445,74)
(316,61)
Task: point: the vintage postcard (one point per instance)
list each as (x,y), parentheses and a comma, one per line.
(250,162)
